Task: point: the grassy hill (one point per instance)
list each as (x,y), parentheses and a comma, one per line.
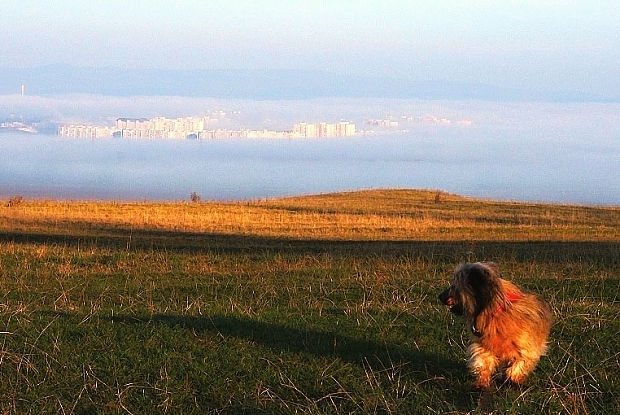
(316,304)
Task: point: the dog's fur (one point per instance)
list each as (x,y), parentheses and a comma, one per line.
(509,326)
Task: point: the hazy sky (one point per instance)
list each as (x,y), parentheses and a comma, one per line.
(547,44)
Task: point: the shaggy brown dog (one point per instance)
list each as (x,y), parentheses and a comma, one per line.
(509,327)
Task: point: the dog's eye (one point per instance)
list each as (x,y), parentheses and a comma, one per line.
(450,301)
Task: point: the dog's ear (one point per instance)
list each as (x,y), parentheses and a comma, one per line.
(492,268)
(483,280)
(482,274)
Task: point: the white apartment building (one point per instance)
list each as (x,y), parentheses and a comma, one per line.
(322,129)
(85,131)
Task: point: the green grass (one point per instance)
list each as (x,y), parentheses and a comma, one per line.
(103,316)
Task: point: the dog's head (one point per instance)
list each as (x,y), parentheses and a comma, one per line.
(473,288)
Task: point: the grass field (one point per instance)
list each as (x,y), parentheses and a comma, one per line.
(317,304)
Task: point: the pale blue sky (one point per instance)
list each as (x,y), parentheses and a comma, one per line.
(555,45)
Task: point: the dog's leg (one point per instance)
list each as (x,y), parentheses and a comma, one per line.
(482,364)
(528,356)
(519,370)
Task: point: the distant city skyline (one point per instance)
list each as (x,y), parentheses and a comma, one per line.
(199,128)
(562,46)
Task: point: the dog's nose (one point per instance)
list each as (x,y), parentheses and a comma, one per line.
(443,297)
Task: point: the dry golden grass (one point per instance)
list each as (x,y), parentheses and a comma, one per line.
(364,215)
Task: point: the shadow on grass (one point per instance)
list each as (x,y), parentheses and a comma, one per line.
(430,369)
(280,337)
(604,253)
